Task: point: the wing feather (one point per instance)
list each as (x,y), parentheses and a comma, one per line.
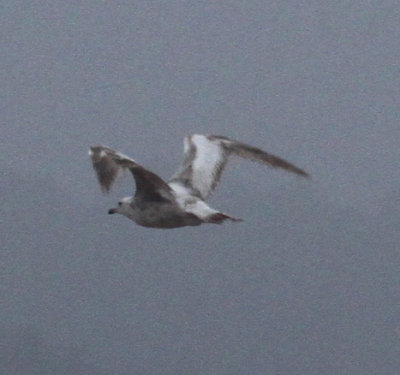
(204,161)
(205,158)
(260,156)
(108,163)
(105,166)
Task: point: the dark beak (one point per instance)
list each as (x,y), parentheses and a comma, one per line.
(112,211)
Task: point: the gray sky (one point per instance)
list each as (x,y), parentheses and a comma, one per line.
(308,284)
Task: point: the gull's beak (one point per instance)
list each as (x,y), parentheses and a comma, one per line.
(112,211)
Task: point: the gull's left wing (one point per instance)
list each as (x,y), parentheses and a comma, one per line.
(108,163)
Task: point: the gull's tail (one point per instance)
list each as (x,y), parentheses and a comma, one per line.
(220,217)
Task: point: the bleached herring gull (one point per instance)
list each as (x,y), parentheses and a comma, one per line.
(179,201)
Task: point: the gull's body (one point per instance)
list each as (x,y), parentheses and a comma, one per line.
(180,201)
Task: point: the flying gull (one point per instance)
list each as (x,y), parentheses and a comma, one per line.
(181,200)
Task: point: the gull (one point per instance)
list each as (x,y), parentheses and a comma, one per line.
(180,201)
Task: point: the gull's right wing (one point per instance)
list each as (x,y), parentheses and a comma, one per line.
(205,157)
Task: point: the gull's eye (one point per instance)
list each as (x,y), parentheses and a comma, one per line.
(120,204)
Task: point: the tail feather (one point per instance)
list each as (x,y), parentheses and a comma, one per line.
(220,217)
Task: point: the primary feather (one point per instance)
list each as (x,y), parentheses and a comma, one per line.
(205,158)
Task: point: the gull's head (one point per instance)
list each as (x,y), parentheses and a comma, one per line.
(124,207)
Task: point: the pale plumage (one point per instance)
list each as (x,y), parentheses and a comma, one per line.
(180,201)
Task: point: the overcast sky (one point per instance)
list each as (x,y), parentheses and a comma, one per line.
(308,284)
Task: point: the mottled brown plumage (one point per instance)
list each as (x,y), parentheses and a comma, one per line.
(180,201)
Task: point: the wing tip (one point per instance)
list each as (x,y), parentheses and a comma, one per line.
(98,150)
(303,173)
